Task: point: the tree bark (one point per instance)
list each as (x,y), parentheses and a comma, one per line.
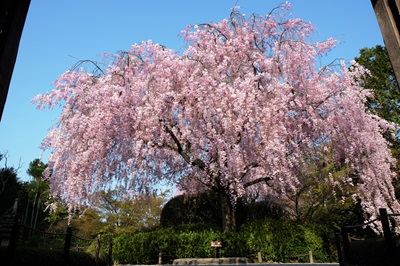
(228,213)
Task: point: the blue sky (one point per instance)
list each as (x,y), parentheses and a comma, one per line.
(59,33)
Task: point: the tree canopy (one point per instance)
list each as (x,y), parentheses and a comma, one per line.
(10,185)
(36,193)
(381,80)
(244,110)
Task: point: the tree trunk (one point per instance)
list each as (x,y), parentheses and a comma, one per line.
(34,209)
(36,214)
(228,213)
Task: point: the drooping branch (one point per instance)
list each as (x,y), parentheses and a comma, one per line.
(255,181)
(196,162)
(109,204)
(97,70)
(258,180)
(248,168)
(214,28)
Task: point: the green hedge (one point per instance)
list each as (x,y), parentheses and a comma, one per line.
(283,241)
(187,241)
(135,248)
(277,240)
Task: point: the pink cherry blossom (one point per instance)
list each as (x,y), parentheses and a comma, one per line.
(242,110)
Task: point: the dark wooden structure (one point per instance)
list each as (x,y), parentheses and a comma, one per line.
(12,19)
(388,15)
(387,253)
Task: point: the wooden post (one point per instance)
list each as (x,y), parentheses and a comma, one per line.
(67,244)
(388,235)
(259,257)
(160,258)
(339,248)
(310,255)
(12,244)
(216,252)
(388,15)
(346,244)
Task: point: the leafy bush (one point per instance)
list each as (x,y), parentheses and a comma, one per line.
(205,208)
(136,248)
(187,241)
(277,240)
(234,244)
(192,209)
(283,241)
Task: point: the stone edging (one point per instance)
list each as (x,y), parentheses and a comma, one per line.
(208,261)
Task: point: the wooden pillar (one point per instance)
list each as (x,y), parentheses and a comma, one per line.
(388,15)
(12,244)
(339,248)
(12,19)
(67,244)
(388,235)
(346,245)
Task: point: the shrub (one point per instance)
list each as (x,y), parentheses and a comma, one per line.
(277,240)
(134,248)
(205,208)
(282,241)
(192,209)
(186,241)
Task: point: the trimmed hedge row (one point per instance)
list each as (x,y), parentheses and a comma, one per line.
(277,240)
(284,241)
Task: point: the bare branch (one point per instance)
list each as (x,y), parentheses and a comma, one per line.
(196,162)
(258,180)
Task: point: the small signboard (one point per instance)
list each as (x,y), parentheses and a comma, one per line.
(216,244)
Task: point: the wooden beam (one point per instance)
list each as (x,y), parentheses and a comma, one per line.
(12,19)
(388,15)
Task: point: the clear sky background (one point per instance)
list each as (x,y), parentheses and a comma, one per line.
(59,33)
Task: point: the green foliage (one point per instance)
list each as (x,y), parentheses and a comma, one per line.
(193,241)
(206,208)
(277,240)
(283,241)
(179,242)
(185,209)
(35,194)
(314,202)
(381,80)
(386,100)
(259,210)
(10,186)
(88,225)
(122,213)
(235,244)
(136,248)
(36,168)
(43,242)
